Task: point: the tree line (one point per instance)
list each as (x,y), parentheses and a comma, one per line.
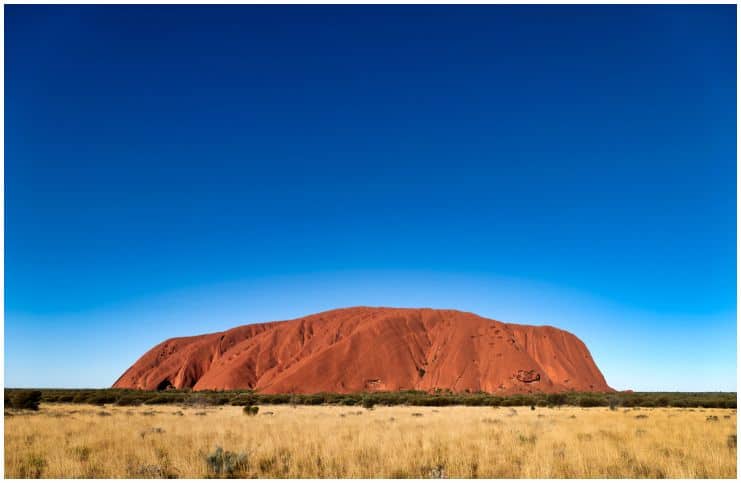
(30,399)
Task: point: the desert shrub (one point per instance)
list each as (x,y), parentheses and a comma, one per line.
(591,402)
(384,398)
(388,398)
(555,399)
(196,400)
(445,400)
(165,399)
(225,463)
(274,398)
(368,403)
(613,403)
(633,402)
(330,398)
(513,401)
(101,399)
(251,410)
(681,403)
(244,400)
(731,441)
(719,403)
(25,400)
(129,401)
(311,399)
(477,400)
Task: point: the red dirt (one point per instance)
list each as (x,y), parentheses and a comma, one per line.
(373,349)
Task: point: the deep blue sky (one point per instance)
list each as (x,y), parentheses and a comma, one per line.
(184,169)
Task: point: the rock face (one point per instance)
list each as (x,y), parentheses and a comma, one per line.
(373,349)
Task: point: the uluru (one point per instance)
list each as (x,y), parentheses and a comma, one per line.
(373,349)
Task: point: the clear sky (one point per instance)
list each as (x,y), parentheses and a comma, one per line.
(179,170)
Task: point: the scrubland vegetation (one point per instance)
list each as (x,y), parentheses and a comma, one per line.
(193,441)
(124,397)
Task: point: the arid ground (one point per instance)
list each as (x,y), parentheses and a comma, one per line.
(64,440)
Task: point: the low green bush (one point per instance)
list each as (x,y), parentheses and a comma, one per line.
(251,410)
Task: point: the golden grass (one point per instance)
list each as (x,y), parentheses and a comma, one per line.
(63,441)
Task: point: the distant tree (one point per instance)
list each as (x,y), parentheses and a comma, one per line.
(26,400)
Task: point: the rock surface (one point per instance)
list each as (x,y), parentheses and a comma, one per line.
(373,349)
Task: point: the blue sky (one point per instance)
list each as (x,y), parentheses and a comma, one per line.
(179,170)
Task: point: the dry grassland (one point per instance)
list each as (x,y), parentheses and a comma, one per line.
(64,441)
